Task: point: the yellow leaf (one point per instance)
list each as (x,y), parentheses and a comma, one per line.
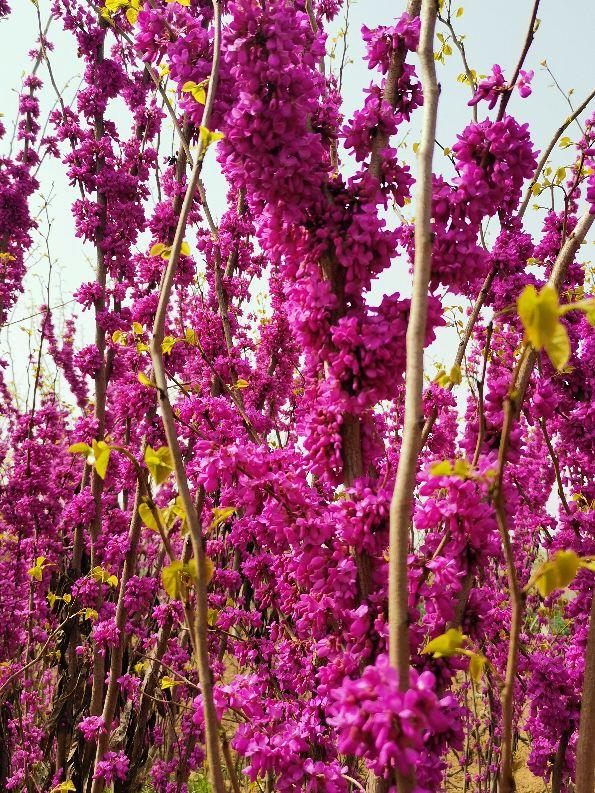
(446,644)
(103,576)
(539,313)
(90,614)
(209,570)
(146,515)
(207,137)
(159,462)
(220,515)
(137,328)
(197,91)
(443,468)
(80,448)
(144,380)
(455,375)
(119,337)
(157,249)
(100,455)
(558,347)
(459,12)
(190,336)
(441,378)
(557,572)
(67,598)
(169,682)
(241,383)
(477,664)
(167,344)
(132,15)
(64,787)
(99,574)
(185,249)
(174,575)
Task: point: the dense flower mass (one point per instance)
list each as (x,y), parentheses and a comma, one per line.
(201,552)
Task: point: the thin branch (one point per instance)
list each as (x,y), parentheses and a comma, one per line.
(169,424)
(531,30)
(546,154)
(401,503)
(585,749)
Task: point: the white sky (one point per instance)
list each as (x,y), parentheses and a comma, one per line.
(494,33)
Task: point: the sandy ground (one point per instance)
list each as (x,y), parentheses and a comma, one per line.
(525,781)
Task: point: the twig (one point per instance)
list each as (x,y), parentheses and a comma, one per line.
(545,156)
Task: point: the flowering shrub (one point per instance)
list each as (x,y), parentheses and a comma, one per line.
(243,539)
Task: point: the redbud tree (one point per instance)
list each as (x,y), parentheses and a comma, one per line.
(249,539)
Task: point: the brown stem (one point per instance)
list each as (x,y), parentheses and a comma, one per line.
(401,503)
(390,94)
(585,749)
(558,769)
(169,424)
(512,408)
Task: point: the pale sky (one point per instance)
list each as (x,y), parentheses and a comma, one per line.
(494,33)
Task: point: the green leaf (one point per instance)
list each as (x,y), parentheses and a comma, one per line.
(447,644)
(159,462)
